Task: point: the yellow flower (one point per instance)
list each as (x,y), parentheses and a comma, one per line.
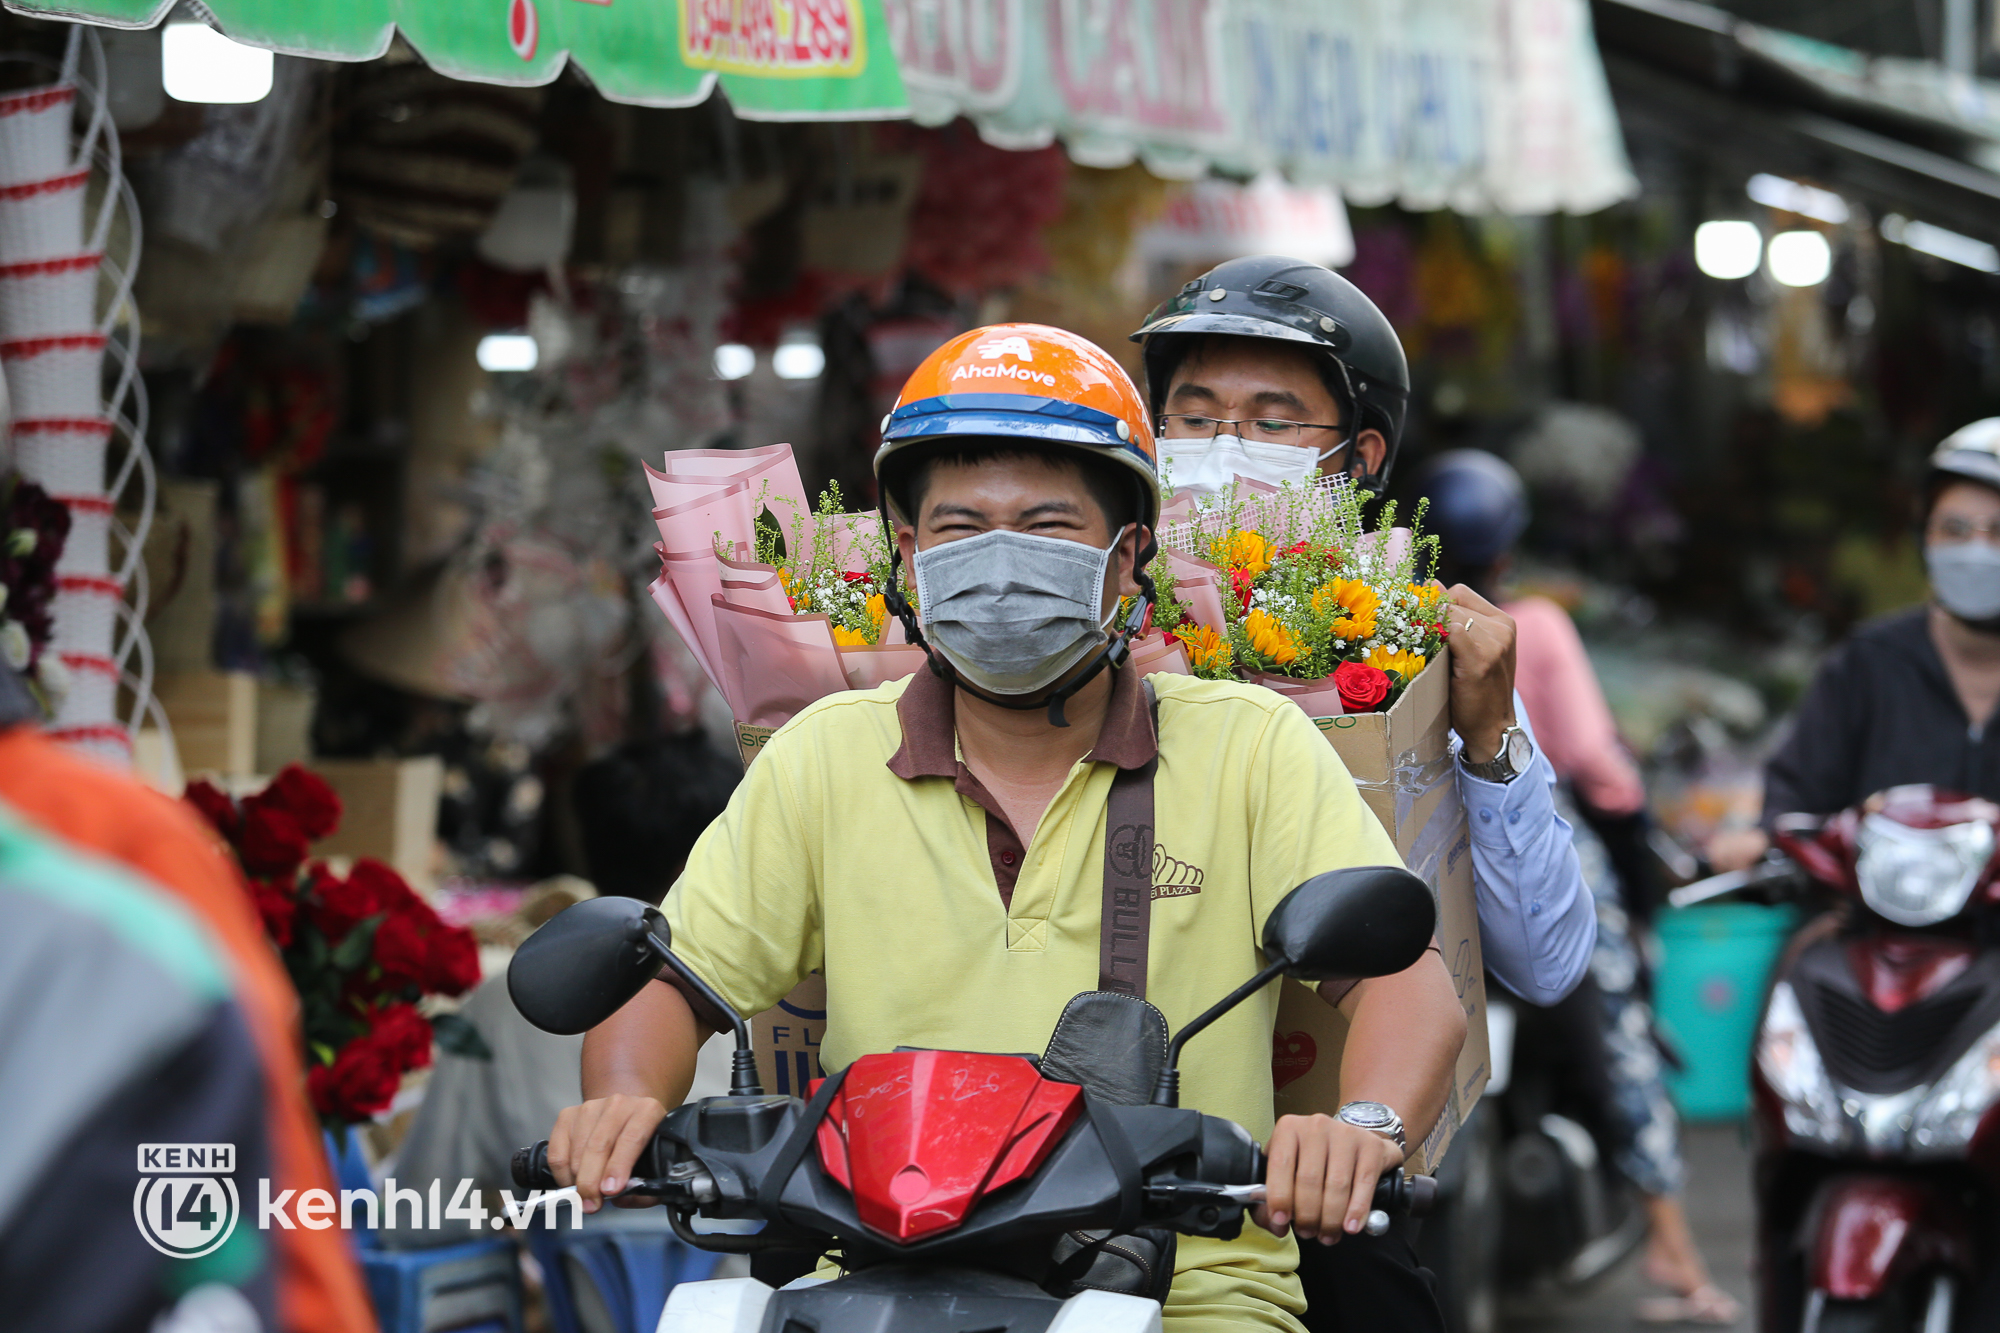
(1356,603)
(878,611)
(1243,550)
(800,597)
(1396,662)
(1205,648)
(1271,640)
(849,638)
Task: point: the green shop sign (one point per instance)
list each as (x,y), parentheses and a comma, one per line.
(776,59)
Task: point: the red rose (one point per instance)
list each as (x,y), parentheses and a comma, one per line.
(392,892)
(402,950)
(403,1033)
(362,1080)
(850,576)
(1241,581)
(272,846)
(277,908)
(335,905)
(215,806)
(453,962)
(306,797)
(1361,686)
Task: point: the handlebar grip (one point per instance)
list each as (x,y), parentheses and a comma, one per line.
(531,1168)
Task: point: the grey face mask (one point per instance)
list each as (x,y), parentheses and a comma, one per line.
(1011,611)
(1966,578)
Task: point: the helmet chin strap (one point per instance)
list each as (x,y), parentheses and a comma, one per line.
(1111,654)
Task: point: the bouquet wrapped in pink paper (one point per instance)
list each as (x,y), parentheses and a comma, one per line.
(779,602)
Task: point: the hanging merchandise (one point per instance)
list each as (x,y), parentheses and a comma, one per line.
(1472,104)
(535,222)
(978,219)
(57,352)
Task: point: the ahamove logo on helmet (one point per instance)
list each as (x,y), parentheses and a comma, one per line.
(993,350)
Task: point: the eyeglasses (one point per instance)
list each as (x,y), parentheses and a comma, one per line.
(1958,530)
(1260,430)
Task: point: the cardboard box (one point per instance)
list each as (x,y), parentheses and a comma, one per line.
(787,1039)
(214,717)
(389,810)
(1402,762)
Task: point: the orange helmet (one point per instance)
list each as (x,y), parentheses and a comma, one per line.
(1032,383)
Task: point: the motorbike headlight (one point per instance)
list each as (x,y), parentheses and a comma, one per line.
(1789,1060)
(1945,1121)
(1919,876)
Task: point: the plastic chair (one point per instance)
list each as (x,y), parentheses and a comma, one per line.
(474,1287)
(631,1269)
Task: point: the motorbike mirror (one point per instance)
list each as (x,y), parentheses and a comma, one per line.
(1364,921)
(586,962)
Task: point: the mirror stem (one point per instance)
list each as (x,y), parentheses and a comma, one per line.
(1167,1092)
(743,1081)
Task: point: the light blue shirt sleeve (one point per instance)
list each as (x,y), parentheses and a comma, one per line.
(1537,921)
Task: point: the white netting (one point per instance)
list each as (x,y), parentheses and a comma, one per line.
(66,324)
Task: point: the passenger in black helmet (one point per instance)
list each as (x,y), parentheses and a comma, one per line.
(1279,369)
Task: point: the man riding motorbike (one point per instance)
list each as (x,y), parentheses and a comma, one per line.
(1278,370)
(936,846)
(1909,697)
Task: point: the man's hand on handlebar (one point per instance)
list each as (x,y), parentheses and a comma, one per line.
(595,1146)
(1321,1179)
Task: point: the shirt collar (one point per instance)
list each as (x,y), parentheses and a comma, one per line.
(930,749)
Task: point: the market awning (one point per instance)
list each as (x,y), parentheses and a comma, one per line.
(778,59)
(1476,105)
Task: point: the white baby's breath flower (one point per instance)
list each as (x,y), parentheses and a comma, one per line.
(54,677)
(14,645)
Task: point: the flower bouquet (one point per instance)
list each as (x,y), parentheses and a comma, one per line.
(780,603)
(362,950)
(1288,588)
(33,529)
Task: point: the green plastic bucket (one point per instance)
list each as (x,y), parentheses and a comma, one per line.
(1715,962)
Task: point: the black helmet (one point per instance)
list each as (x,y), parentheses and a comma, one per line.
(1290,300)
(1479,508)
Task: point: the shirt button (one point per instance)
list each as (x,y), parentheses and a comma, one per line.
(1006,858)
(1513,816)
(1486,816)
(1534,909)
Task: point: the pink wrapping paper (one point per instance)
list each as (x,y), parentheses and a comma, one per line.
(1199,584)
(1152,654)
(774,665)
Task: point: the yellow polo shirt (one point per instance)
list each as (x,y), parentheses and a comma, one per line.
(858,845)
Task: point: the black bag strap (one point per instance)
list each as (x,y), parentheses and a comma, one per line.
(1122,937)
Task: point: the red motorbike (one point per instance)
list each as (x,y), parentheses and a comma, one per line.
(964,1192)
(1876,1078)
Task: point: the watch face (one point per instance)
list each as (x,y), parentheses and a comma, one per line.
(1520,751)
(1366,1115)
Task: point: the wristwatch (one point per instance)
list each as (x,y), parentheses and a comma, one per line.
(1516,753)
(1377,1118)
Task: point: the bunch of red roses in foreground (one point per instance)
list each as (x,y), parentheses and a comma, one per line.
(361,950)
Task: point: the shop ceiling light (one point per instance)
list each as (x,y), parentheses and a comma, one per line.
(1800,258)
(199,64)
(1728,249)
(798,360)
(1927,239)
(508,351)
(733,361)
(1794,197)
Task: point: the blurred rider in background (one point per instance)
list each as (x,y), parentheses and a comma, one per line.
(1479,509)
(1908,697)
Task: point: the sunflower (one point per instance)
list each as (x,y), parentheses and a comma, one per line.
(1205,648)
(1239,550)
(1355,604)
(1396,662)
(1270,639)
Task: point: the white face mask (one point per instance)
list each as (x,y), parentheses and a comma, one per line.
(1208,467)
(1966,578)
(1012,611)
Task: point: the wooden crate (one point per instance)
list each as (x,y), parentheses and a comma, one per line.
(390,810)
(214,717)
